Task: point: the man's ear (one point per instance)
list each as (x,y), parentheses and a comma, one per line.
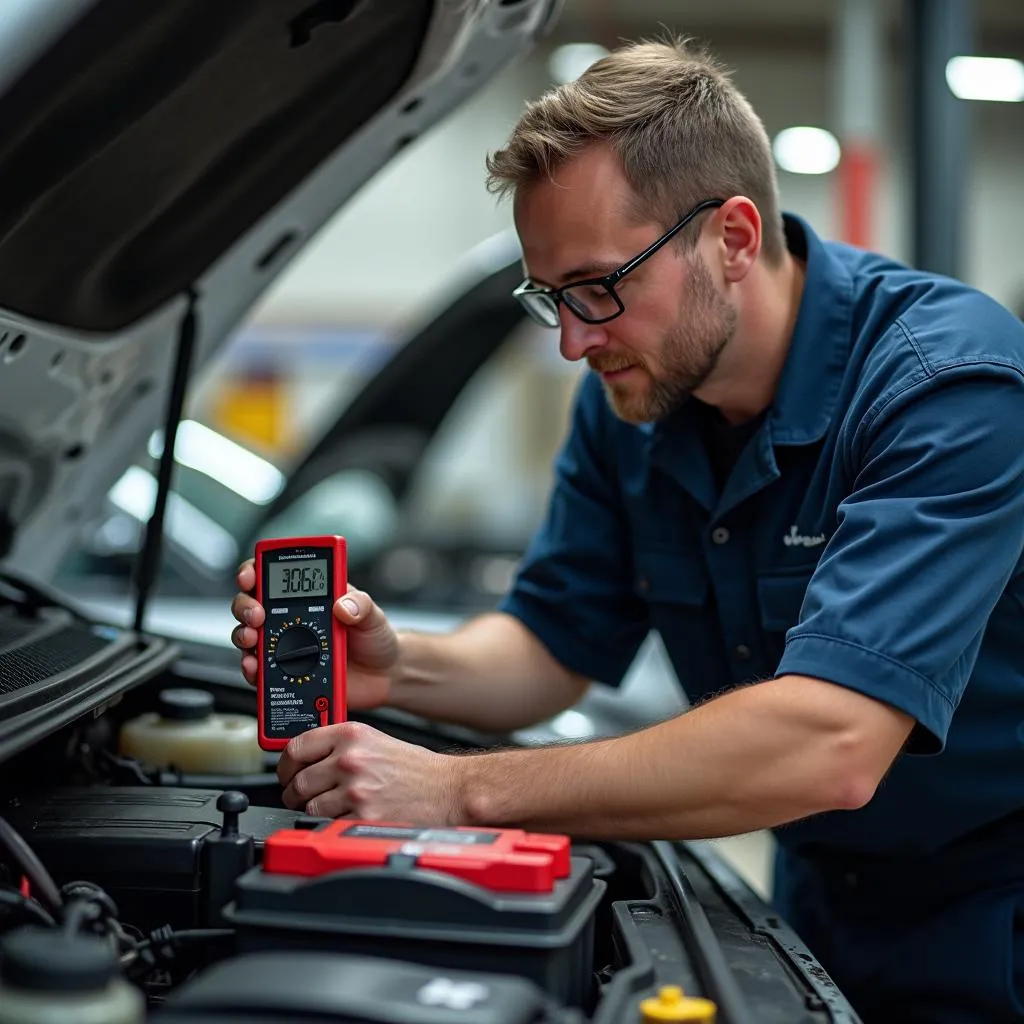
(739,224)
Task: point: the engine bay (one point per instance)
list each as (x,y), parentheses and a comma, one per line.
(201,898)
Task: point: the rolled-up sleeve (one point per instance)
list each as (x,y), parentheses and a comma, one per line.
(924,547)
(574,586)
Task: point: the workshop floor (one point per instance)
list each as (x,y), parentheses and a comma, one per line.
(751,855)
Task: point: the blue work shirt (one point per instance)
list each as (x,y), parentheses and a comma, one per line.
(870,534)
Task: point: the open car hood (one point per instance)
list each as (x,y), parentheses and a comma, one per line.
(162,160)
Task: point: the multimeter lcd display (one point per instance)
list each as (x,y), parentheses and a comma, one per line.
(302,579)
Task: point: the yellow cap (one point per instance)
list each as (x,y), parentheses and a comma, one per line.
(670,1004)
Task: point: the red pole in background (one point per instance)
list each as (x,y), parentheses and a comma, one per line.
(858,178)
(858,49)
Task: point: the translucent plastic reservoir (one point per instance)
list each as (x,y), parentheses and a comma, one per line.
(185,732)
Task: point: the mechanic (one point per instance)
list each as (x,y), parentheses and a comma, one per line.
(803,465)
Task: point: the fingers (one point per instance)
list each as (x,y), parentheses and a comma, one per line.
(312,782)
(332,804)
(249,614)
(247,610)
(246,577)
(310,747)
(244,637)
(249,667)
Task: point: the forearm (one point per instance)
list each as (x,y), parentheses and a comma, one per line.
(493,674)
(756,758)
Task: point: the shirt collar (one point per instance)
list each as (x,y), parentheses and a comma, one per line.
(808,390)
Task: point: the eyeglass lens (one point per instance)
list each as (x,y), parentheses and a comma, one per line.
(543,308)
(591,301)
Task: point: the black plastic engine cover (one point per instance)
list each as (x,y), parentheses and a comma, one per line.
(329,986)
(142,844)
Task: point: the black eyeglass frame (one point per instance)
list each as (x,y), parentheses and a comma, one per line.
(609,281)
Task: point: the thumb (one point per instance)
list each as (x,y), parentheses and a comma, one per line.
(372,644)
(354,608)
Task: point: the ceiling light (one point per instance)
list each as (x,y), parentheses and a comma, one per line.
(193,531)
(806,150)
(220,458)
(568,62)
(998,79)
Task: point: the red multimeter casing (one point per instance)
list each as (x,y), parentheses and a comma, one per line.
(301,652)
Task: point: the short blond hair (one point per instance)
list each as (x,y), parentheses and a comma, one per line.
(680,127)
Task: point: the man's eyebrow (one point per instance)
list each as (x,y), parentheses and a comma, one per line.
(588,270)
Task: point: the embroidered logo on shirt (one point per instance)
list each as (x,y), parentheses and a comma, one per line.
(802,540)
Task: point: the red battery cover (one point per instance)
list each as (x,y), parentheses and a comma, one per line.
(506,860)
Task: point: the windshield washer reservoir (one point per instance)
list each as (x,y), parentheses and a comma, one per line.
(186,733)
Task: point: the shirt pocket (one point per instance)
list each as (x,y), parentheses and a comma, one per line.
(675,586)
(667,576)
(780,598)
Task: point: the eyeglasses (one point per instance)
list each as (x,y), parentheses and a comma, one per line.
(595,300)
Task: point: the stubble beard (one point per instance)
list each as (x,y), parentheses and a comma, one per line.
(688,355)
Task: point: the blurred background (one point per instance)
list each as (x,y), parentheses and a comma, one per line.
(896,125)
(834,83)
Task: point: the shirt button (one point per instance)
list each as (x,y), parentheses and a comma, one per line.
(720,535)
(643,583)
(743,652)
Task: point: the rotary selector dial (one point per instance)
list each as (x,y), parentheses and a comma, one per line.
(298,649)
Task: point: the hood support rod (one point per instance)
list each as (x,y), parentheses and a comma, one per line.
(148,565)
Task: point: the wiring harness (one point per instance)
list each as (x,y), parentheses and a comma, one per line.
(82,907)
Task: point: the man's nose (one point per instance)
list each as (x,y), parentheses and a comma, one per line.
(577,338)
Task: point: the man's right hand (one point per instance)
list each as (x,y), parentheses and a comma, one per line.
(371,641)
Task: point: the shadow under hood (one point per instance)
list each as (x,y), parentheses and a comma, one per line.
(150,136)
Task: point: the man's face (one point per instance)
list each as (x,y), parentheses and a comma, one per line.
(676,324)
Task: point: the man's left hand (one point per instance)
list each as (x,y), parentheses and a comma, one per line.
(352,770)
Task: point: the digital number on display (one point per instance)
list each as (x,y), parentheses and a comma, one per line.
(306,580)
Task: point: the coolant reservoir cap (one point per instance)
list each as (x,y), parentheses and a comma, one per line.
(672,1004)
(183,704)
(46,960)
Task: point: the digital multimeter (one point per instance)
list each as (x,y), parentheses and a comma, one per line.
(300,681)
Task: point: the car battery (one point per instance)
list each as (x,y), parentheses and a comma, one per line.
(495,900)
